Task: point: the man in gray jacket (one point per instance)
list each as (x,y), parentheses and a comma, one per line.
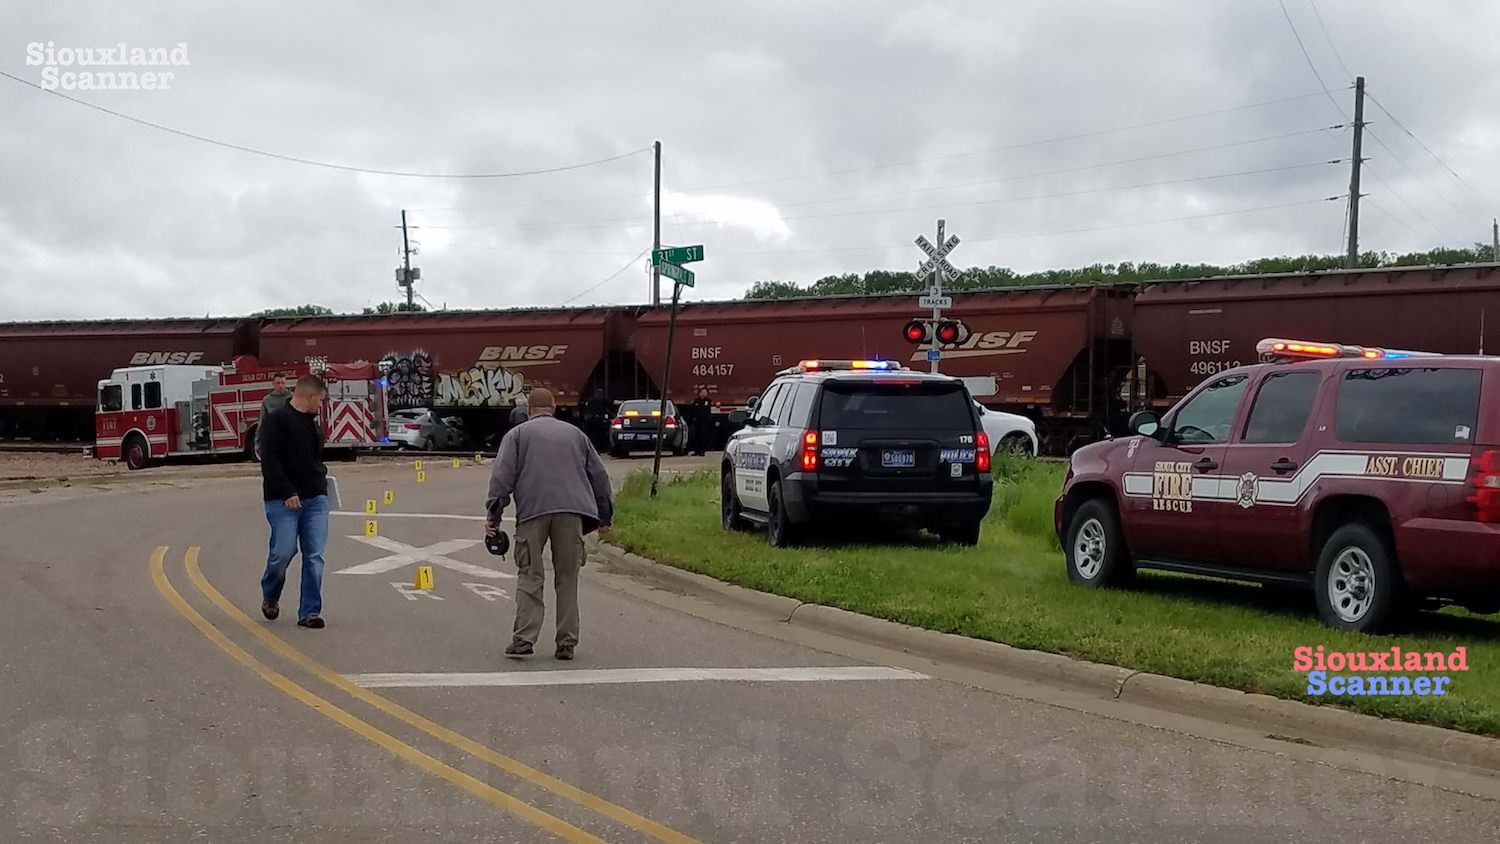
(562,493)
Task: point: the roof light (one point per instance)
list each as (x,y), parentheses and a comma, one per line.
(817,365)
(1275,348)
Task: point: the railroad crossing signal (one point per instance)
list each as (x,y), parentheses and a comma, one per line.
(938,332)
(935,333)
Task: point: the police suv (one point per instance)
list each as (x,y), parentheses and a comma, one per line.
(838,439)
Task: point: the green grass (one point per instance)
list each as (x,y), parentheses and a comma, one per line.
(1013,588)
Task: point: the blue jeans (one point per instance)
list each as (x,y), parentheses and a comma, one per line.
(308,527)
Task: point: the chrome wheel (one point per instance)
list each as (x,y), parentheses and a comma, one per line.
(1089,549)
(1351,584)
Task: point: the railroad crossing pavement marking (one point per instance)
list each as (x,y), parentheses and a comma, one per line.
(350,722)
(456,740)
(613,676)
(436,554)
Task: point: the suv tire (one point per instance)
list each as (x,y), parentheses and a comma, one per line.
(1095,548)
(1357,585)
(961,533)
(780,532)
(729,503)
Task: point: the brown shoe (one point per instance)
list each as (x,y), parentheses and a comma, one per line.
(518,648)
(269,610)
(564,652)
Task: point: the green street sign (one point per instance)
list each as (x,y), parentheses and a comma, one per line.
(678,274)
(677,255)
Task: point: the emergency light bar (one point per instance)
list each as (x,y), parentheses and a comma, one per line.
(1274,348)
(818,365)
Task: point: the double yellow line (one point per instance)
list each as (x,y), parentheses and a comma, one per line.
(558,827)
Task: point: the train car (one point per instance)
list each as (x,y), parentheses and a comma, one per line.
(1188,330)
(474,364)
(49,371)
(1057,354)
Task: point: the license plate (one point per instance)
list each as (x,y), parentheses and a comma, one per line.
(627,436)
(898,459)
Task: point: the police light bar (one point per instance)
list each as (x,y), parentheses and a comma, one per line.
(1304,350)
(818,365)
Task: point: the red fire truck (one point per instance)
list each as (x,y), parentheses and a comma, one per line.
(146,413)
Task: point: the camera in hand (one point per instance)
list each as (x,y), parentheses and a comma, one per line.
(497,544)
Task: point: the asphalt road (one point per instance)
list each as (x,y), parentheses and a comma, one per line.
(146,700)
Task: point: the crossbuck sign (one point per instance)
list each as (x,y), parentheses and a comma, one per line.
(937,257)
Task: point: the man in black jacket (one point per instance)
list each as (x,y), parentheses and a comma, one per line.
(294,484)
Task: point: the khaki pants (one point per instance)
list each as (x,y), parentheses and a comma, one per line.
(564,532)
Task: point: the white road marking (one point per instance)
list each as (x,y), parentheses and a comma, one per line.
(419,516)
(609,676)
(435,554)
(488,591)
(410,592)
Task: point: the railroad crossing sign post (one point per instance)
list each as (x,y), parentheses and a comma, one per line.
(938,267)
(668,261)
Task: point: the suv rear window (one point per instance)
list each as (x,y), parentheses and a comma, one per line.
(875,406)
(1417,405)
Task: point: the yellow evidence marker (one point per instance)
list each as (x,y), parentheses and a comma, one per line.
(421,477)
(478,458)
(424,577)
(456,463)
(370,506)
(417,465)
(371,527)
(390,496)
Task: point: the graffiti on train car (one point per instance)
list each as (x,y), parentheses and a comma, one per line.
(416,380)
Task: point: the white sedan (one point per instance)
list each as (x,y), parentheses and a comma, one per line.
(1008,431)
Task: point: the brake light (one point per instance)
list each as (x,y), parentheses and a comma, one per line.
(1486,483)
(671,422)
(616,422)
(810,451)
(413,426)
(982,459)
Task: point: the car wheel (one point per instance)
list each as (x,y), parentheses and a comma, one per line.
(1015,445)
(780,531)
(1357,583)
(729,503)
(962,533)
(1095,548)
(137,453)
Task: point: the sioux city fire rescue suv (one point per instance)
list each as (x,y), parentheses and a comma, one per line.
(147,413)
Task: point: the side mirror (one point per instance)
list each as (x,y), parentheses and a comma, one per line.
(754,400)
(1146,423)
(739,418)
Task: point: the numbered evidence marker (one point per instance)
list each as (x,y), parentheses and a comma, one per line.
(457,463)
(421,477)
(390,496)
(370,506)
(424,577)
(478,458)
(417,465)
(372,527)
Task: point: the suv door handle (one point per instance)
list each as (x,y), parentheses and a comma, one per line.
(1283,465)
(1206,464)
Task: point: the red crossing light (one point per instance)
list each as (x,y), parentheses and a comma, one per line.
(951,332)
(918,331)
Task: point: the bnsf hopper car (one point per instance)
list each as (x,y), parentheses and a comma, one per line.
(1186,331)
(1057,354)
(50,371)
(473,363)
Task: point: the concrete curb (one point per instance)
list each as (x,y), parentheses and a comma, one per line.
(1327,725)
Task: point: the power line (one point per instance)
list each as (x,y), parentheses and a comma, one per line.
(1308,57)
(603,224)
(612,277)
(1329,39)
(1402,198)
(1410,134)
(313,162)
(1021,145)
(1027,235)
(1419,177)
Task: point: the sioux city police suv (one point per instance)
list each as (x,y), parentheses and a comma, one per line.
(831,439)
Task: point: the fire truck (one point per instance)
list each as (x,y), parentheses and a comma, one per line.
(148,413)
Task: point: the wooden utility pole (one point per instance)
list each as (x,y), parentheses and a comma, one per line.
(1351,260)
(656,240)
(406,262)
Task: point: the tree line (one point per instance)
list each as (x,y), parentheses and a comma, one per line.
(876,282)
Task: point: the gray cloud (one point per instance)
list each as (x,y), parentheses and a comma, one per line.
(783,124)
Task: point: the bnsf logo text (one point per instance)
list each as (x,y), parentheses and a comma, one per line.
(521,354)
(985,343)
(150,358)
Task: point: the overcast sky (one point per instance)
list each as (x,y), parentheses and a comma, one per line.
(800,139)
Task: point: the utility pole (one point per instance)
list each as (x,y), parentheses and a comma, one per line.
(406,261)
(656,239)
(1352,259)
(1495,243)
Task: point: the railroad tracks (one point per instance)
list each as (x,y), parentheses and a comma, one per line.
(26,447)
